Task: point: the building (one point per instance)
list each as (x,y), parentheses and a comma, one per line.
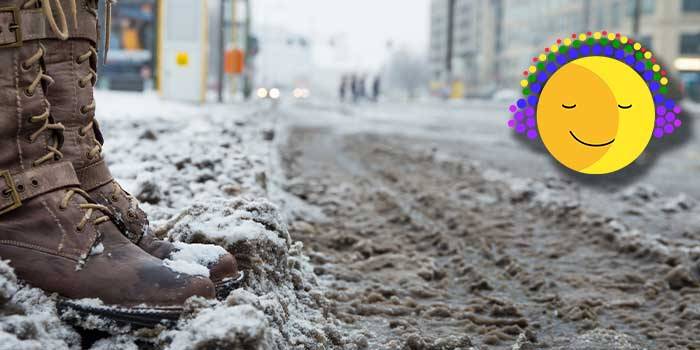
(496,39)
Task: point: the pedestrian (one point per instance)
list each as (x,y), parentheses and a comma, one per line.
(362,86)
(376,87)
(343,87)
(355,88)
(66,225)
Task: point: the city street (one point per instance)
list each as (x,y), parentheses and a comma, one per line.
(435,223)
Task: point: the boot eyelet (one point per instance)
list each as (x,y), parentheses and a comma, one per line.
(114,198)
(131,215)
(20,188)
(25,67)
(81,133)
(79,229)
(35,183)
(29,93)
(81,84)
(88,155)
(6,193)
(83,110)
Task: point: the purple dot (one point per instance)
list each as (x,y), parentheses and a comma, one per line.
(532,134)
(530,111)
(668,129)
(532,100)
(660,121)
(670,116)
(677,123)
(519,115)
(677,109)
(658,133)
(530,122)
(661,110)
(522,103)
(512,108)
(520,128)
(511,123)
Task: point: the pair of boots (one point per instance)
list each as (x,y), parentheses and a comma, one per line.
(66,225)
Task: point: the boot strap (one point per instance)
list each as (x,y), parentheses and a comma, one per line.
(94,176)
(23,186)
(20,25)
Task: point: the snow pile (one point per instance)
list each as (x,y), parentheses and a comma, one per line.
(28,318)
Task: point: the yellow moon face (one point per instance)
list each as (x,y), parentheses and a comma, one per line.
(595,115)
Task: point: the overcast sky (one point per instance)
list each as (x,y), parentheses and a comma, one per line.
(363,27)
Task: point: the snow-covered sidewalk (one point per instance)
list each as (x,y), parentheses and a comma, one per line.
(200,173)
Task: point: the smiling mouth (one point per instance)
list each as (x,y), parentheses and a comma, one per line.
(590,144)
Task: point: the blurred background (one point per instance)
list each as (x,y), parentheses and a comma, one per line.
(446,49)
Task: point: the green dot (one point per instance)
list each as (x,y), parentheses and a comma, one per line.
(526,91)
(639,55)
(540,66)
(649,65)
(657,76)
(532,78)
(551,57)
(628,48)
(604,41)
(577,44)
(616,44)
(663,90)
(590,41)
(563,49)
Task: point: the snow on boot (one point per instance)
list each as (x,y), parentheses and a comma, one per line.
(55,237)
(72,64)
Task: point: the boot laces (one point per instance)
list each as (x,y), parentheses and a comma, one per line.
(89,109)
(56,129)
(89,209)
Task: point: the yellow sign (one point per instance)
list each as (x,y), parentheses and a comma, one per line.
(182,59)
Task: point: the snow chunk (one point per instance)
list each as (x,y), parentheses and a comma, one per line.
(187,268)
(202,254)
(97,249)
(236,327)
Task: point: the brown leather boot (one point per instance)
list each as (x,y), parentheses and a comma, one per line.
(72,64)
(55,237)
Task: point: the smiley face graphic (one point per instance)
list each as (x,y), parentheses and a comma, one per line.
(596,115)
(595,101)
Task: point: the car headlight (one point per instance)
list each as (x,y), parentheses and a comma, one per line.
(262,93)
(275,93)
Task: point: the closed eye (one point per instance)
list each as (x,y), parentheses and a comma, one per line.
(625,107)
(569,106)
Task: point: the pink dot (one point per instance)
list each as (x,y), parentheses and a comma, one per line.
(677,109)
(511,123)
(512,108)
(678,123)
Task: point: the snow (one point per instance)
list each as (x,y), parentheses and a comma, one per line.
(185,267)
(202,254)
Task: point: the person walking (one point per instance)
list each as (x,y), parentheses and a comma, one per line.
(343,87)
(376,87)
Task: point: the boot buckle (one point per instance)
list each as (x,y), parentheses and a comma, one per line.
(15,26)
(10,192)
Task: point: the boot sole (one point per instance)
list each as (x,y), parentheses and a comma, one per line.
(139,317)
(225,286)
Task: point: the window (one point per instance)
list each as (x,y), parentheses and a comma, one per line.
(691,5)
(690,44)
(647,6)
